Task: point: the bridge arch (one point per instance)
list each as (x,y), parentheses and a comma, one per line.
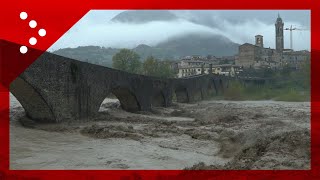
(31,100)
(127,98)
(110,101)
(182,94)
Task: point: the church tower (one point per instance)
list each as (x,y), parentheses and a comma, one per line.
(259,40)
(279,34)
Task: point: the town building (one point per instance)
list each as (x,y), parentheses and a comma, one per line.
(196,66)
(254,56)
(257,56)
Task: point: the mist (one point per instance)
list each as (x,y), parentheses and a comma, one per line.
(120,35)
(95,28)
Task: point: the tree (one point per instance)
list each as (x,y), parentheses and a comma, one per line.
(154,67)
(127,60)
(150,66)
(165,69)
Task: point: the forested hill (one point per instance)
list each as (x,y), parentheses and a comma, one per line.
(173,49)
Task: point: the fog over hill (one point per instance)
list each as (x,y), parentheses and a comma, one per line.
(144,16)
(172,34)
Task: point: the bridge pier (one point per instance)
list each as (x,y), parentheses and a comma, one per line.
(35,106)
(218,86)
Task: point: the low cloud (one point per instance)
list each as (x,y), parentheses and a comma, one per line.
(121,35)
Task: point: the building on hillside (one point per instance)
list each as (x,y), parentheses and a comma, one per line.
(257,56)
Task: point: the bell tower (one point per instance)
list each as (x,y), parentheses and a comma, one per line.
(259,40)
(279,34)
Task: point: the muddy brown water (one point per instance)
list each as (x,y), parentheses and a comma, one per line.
(204,135)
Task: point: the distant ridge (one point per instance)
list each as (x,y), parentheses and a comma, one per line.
(172,49)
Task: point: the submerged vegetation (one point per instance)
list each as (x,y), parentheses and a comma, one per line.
(237,91)
(283,85)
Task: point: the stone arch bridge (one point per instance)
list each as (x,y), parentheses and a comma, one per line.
(55,89)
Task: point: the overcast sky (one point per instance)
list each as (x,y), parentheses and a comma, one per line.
(95,28)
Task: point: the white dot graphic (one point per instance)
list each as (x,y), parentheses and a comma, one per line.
(33,41)
(42,32)
(33,24)
(23,15)
(23,49)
